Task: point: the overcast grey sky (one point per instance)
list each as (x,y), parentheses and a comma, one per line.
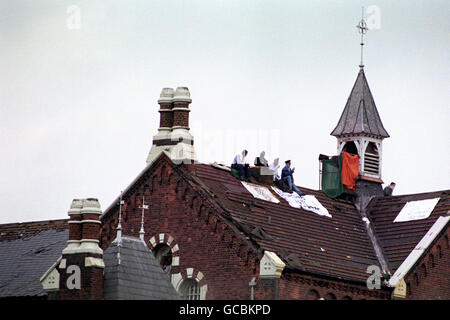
(78,107)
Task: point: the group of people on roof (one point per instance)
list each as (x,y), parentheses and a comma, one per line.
(241,165)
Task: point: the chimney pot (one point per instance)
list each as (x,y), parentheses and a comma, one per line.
(182,94)
(166,95)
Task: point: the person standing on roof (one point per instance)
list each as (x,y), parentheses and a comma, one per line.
(241,165)
(287,177)
(389,189)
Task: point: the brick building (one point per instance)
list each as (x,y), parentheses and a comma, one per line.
(209,235)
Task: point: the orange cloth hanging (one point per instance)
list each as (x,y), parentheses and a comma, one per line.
(350,170)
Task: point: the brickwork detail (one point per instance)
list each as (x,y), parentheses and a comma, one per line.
(429,278)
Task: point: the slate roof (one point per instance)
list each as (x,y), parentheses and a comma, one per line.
(360,115)
(27,250)
(138,276)
(337,246)
(398,239)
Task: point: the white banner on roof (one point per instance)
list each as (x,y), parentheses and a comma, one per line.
(416,210)
(260,192)
(307,202)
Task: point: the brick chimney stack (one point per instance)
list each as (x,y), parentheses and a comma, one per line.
(181,101)
(74,226)
(166,114)
(173,135)
(81,266)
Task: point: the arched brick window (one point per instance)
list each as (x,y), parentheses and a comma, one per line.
(312,295)
(190,290)
(330,296)
(166,250)
(190,284)
(346,298)
(163,254)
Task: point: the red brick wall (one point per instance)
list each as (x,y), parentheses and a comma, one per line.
(209,244)
(430,279)
(294,286)
(91,286)
(206,243)
(166,117)
(181,118)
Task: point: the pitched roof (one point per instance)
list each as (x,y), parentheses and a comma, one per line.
(27,250)
(398,239)
(360,115)
(132,273)
(337,246)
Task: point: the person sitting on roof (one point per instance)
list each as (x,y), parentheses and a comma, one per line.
(286,176)
(240,164)
(261,161)
(388,190)
(276,176)
(274,167)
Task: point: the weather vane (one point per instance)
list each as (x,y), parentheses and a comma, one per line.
(362,26)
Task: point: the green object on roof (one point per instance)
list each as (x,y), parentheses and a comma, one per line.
(331,178)
(235,173)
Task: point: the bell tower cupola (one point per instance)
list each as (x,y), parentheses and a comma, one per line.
(360,131)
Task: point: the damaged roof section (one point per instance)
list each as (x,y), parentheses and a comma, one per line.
(27,250)
(337,246)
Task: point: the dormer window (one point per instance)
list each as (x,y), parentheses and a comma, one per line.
(371,159)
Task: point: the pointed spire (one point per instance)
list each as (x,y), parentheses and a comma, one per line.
(360,115)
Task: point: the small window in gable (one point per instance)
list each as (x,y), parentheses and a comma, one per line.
(190,290)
